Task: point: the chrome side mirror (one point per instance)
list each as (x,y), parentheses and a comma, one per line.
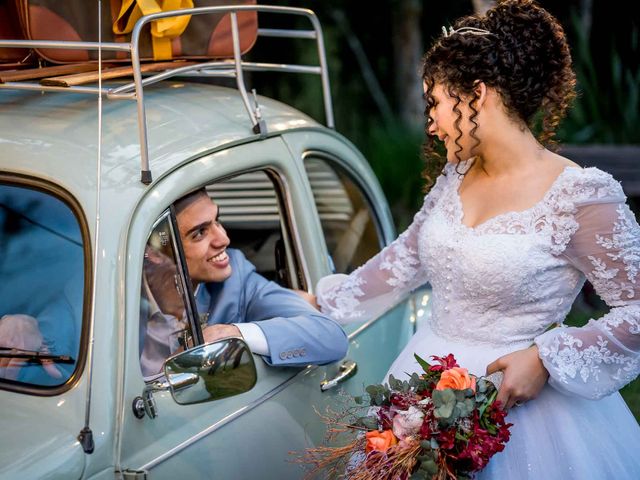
(204,373)
(211,372)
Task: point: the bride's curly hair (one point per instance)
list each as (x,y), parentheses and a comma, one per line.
(526,59)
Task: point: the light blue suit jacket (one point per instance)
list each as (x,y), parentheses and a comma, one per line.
(297,334)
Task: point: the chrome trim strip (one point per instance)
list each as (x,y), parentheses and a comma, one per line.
(223,421)
(363,327)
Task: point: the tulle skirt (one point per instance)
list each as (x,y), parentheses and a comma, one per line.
(554,436)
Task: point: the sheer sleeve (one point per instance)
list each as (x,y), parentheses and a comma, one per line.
(381,282)
(596,360)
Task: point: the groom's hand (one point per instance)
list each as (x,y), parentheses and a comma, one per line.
(309,298)
(213,333)
(524,376)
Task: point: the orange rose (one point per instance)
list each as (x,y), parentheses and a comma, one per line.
(456,378)
(380,441)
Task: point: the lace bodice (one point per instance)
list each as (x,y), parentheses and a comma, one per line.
(509,279)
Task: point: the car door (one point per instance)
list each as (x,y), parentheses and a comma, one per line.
(356,224)
(264,201)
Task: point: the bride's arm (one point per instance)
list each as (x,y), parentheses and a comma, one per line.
(604,355)
(381,282)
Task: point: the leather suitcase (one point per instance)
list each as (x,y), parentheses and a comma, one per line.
(10,30)
(187,37)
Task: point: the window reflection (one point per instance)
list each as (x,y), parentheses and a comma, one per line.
(41,298)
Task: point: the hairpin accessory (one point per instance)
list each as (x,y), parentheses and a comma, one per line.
(465,30)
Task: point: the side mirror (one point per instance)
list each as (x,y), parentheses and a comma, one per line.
(207,372)
(211,372)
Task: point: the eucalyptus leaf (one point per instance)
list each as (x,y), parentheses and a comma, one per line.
(370,423)
(466,407)
(445,402)
(429,466)
(426,445)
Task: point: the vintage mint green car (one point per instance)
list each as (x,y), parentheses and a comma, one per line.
(75,224)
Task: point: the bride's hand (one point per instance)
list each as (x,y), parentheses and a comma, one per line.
(524,376)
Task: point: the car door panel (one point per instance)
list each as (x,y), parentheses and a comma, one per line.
(221,437)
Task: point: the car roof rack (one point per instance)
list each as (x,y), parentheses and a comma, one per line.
(230,68)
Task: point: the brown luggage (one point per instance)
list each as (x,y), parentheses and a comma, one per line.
(185,37)
(10,30)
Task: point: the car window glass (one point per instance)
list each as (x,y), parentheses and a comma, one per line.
(41,251)
(348,222)
(164,326)
(250,212)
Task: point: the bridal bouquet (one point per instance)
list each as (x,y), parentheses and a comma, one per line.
(444,424)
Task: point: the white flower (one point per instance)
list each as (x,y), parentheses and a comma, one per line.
(407,422)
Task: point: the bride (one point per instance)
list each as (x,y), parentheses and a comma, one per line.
(506,237)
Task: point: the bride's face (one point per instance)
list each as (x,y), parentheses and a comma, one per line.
(444,113)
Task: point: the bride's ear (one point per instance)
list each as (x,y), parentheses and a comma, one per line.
(480,89)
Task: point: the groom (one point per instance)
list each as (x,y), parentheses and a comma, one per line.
(273,321)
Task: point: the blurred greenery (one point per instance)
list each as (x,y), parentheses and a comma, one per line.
(607,109)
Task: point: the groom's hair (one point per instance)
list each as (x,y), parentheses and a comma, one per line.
(189,198)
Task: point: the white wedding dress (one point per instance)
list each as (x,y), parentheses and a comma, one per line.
(498,287)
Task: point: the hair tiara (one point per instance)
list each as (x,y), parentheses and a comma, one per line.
(464,31)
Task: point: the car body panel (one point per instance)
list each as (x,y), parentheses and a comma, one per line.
(197,134)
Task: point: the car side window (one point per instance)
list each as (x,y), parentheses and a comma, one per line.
(348,222)
(165,328)
(42,252)
(251,212)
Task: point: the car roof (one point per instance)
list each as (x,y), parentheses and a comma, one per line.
(56,135)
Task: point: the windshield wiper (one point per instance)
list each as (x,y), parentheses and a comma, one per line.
(33,356)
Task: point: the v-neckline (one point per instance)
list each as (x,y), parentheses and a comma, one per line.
(460,207)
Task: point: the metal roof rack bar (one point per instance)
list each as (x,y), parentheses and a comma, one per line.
(123,47)
(281,33)
(46,88)
(210,69)
(231,68)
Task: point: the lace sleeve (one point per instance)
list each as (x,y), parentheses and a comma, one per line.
(596,360)
(381,282)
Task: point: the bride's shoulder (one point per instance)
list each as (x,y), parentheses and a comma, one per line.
(588,185)
(449,173)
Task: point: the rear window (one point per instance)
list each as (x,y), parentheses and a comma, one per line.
(41,297)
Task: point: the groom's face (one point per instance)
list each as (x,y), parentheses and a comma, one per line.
(205,241)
